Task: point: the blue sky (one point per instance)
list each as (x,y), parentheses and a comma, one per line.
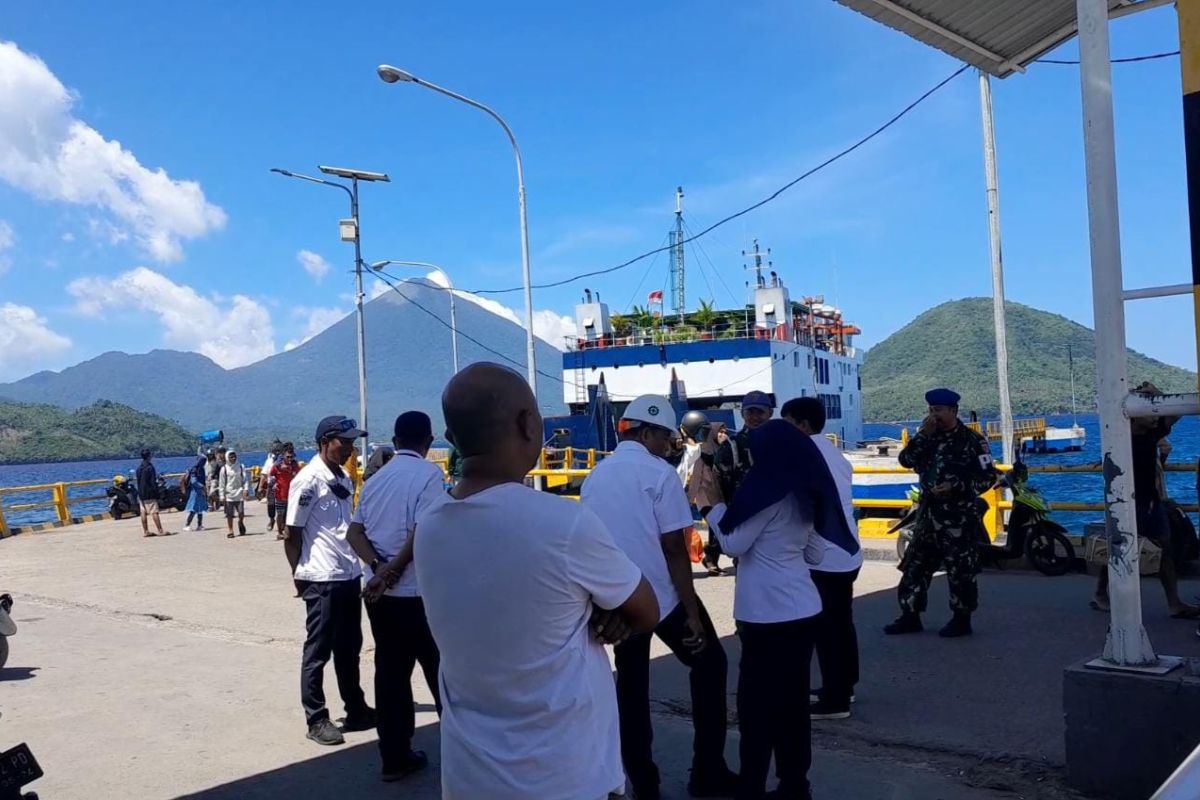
(179,236)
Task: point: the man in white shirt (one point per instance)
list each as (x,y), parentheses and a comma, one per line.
(381,534)
(328,576)
(639,498)
(231,489)
(512,581)
(834,575)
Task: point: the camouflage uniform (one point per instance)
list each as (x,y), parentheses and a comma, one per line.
(947,527)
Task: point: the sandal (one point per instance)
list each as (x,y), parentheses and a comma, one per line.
(229,535)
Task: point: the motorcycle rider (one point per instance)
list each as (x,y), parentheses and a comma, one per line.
(955,467)
(148,495)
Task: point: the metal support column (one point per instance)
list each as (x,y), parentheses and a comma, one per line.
(993,198)
(1189,51)
(1127,644)
(358,309)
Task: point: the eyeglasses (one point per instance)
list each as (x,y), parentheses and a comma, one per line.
(344,425)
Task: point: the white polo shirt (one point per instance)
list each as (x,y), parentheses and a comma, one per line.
(509,577)
(836,559)
(638,497)
(388,507)
(774,548)
(325,555)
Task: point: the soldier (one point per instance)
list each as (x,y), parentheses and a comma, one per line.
(955,466)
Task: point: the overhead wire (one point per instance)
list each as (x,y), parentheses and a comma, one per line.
(1128,60)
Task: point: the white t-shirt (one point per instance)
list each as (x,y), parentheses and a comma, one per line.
(774,548)
(325,555)
(388,509)
(638,497)
(509,576)
(266,470)
(836,559)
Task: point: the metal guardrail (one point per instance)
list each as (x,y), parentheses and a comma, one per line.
(1184,782)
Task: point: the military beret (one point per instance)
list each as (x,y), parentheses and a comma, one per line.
(942,397)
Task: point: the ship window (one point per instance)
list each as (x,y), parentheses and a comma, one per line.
(795,359)
(769,308)
(589,322)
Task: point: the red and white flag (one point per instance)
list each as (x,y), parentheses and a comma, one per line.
(655,297)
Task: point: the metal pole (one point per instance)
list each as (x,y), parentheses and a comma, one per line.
(993,199)
(453,329)
(530,357)
(1188,12)
(1127,643)
(358,307)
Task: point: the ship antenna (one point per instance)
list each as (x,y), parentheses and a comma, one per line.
(677,293)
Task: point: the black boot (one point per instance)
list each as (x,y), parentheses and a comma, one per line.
(908,622)
(959,625)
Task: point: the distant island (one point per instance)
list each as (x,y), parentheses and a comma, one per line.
(33,433)
(953,345)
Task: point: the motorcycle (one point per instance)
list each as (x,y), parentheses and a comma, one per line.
(1031,532)
(171,496)
(7,626)
(122,498)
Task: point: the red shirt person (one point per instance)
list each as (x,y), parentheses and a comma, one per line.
(281,475)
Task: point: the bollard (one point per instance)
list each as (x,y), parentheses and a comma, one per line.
(3,524)
(591,460)
(60,503)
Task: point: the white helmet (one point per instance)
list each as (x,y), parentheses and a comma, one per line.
(651,409)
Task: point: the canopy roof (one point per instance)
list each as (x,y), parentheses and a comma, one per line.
(998,36)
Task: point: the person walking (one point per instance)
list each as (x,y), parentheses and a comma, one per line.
(197,502)
(771,526)
(834,576)
(147,492)
(638,496)
(381,533)
(521,588)
(212,474)
(329,579)
(231,488)
(266,486)
(954,464)
(282,474)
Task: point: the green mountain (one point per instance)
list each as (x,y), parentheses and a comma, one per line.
(31,432)
(953,345)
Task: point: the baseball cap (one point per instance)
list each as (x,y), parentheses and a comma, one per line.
(757,399)
(339,426)
(651,409)
(413,425)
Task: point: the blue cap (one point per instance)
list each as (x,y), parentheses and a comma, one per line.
(757,399)
(339,426)
(942,397)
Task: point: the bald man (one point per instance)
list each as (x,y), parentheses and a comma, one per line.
(521,589)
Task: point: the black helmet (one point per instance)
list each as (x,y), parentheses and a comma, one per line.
(692,422)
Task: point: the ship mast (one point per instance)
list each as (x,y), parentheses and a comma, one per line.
(677,294)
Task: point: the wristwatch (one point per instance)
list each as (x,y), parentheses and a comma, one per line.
(377,564)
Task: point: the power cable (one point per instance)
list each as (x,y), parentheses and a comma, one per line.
(1130,60)
(827,162)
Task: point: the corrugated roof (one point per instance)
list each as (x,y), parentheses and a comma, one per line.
(998,36)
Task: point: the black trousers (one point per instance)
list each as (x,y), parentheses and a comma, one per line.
(837,640)
(334,627)
(772,704)
(271,505)
(708,671)
(402,640)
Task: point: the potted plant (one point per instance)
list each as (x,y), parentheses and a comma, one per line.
(704,318)
(621,326)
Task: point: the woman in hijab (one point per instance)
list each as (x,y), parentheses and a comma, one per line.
(197,502)
(771,527)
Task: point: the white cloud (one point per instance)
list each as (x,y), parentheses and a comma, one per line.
(378,288)
(26,339)
(48,152)
(68,237)
(549,326)
(7,240)
(231,331)
(318,320)
(313,264)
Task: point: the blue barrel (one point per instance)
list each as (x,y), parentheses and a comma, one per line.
(210,437)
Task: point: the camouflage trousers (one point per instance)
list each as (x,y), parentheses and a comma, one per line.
(933,546)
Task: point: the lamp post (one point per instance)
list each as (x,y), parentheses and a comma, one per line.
(350,233)
(390,74)
(453,320)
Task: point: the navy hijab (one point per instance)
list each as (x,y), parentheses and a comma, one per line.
(787,462)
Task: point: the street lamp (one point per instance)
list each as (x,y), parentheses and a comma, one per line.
(453,321)
(390,74)
(350,233)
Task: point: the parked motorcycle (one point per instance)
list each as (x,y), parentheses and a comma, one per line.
(1030,531)
(170,496)
(7,626)
(122,498)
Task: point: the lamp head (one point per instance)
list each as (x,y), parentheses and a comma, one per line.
(390,74)
(281,171)
(379,264)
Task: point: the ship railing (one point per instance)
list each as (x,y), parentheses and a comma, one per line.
(682,334)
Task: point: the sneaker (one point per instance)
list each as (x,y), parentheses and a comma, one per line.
(199,528)
(959,625)
(187,528)
(815,697)
(907,622)
(413,761)
(827,710)
(325,732)
(719,783)
(363,720)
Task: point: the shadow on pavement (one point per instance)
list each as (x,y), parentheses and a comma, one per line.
(18,673)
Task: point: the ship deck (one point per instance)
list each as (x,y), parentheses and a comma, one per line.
(157,668)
